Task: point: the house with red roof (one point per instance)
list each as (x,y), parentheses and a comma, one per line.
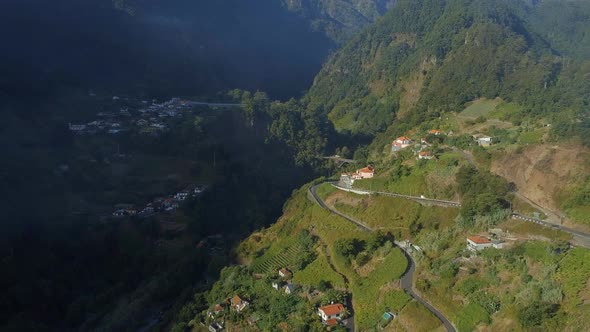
(425,155)
(331,313)
(401,142)
(434,132)
(366,173)
(478,242)
(218,309)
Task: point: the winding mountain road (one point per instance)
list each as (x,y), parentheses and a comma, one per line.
(407,279)
(582,238)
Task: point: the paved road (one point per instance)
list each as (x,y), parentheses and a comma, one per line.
(202,103)
(407,279)
(583,239)
(552,217)
(407,284)
(320,202)
(419,199)
(572,231)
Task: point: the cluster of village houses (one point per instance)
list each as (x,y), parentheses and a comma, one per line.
(331,314)
(403,142)
(147,119)
(160,204)
(421,150)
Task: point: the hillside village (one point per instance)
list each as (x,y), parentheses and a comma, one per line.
(147,118)
(161,204)
(235,307)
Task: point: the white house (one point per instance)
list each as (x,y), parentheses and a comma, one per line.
(401,142)
(331,311)
(483,140)
(477,242)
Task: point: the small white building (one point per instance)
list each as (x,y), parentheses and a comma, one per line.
(483,140)
(478,242)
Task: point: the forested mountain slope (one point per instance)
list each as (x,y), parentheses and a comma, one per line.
(565,24)
(428,57)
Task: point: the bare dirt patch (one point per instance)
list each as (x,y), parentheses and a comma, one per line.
(541,172)
(412,87)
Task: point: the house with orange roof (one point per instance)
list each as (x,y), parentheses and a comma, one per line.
(401,142)
(238,304)
(478,242)
(366,173)
(331,312)
(425,155)
(218,309)
(434,132)
(347,179)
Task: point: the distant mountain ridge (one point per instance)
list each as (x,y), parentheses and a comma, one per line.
(424,58)
(338,19)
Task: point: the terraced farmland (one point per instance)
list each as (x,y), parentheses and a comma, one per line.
(269,262)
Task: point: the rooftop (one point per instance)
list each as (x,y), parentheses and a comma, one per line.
(332,309)
(332,322)
(478,239)
(367,169)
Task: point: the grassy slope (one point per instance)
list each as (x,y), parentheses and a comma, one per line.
(372,292)
(500,272)
(317,271)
